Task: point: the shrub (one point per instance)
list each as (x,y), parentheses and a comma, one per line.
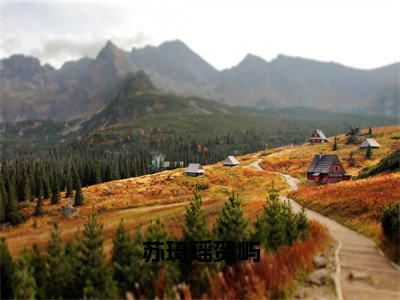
(389,163)
(391,222)
(335,146)
(202,186)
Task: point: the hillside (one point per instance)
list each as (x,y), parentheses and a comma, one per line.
(80,88)
(358,204)
(136,106)
(138,200)
(295,160)
(165,194)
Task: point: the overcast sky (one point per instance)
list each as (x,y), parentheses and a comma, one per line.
(358,33)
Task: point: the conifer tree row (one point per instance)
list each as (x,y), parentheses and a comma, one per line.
(78,269)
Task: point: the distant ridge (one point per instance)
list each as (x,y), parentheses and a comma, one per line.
(81,88)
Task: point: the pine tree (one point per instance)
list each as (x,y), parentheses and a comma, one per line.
(25,189)
(46,186)
(126,259)
(195,222)
(54,263)
(11,207)
(232,224)
(3,199)
(302,224)
(37,261)
(157,232)
(96,277)
(270,226)
(351,160)
(335,146)
(368,154)
(79,196)
(38,207)
(55,190)
(196,229)
(68,186)
(7,268)
(96,174)
(30,179)
(71,269)
(24,280)
(291,232)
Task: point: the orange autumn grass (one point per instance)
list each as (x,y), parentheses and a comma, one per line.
(141,199)
(294,160)
(357,204)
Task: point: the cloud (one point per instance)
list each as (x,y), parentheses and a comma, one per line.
(57,50)
(11,46)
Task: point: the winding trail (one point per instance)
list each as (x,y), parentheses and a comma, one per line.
(363,271)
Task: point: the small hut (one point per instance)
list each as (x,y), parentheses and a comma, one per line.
(194,170)
(318,137)
(326,169)
(369,142)
(230,161)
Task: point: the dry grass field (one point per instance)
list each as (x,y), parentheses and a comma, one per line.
(165,195)
(142,199)
(357,204)
(294,160)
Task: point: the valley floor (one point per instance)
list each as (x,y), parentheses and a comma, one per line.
(363,271)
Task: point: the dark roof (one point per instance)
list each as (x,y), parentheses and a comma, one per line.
(195,168)
(322,163)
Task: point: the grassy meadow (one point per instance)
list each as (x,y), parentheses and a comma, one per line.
(294,160)
(142,199)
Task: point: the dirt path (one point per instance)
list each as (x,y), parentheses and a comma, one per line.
(363,272)
(255,165)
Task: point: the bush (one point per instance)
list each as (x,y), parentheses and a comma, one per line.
(389,163)
(202,186)
(391,222)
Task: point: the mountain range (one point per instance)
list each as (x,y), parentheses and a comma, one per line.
(137,108)
(79,89)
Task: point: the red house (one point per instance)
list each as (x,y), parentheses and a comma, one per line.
(318,137)
(326,169)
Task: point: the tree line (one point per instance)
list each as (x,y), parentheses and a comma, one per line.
(79,269)
(42,172)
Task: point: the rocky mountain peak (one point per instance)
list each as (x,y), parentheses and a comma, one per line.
(136,83)
(21,66)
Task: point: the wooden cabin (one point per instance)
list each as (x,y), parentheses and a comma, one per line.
(231,161)
(194,170)
(369,142)
(326,169)
(318,137)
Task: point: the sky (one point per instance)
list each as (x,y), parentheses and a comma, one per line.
(358,33)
